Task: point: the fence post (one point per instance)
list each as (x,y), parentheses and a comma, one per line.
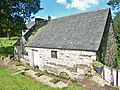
(103,73)
(116,76)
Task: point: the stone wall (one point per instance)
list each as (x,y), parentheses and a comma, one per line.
(72,62)
(17,51)
(111,48)
(68,57)
(107,49)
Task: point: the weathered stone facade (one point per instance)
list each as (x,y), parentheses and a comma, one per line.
(106,52)
(111,48)
(72,62)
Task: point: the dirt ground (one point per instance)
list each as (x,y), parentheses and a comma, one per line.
(7,63)
(90,85)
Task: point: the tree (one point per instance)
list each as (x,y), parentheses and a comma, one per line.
(117,28)
(115,4)
(14,13)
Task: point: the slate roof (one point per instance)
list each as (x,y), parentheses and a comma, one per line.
(82,31)
(30,24)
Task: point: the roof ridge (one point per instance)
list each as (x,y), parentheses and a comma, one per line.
(82,13)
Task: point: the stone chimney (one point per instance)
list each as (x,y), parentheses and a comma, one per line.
(39,20)
(49,18)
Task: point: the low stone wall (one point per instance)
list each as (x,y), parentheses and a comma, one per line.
(77,71)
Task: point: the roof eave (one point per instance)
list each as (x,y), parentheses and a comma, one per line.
(63,48)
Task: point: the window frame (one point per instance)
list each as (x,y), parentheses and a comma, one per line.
(54,54)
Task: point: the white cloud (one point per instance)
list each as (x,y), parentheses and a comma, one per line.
(80,4)
(53,17)
(95,2)
(38,17)
(61,1)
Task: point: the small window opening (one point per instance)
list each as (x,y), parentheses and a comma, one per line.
(53,54)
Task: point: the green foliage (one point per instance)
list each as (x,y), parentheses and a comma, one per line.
(97,64)
(73,88)
(6,46)
(14,13)
(117,28)
(117,34)
(114,3)
(118,58)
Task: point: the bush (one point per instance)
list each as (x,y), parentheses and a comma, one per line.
(97,64)
(117,59)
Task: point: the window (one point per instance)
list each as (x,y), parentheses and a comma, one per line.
(53,54)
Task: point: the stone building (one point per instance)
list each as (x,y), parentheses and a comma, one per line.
(68,45)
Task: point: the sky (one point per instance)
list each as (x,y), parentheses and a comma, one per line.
(59,8)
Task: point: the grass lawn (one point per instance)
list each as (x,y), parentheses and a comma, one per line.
(6,46)
(22,82)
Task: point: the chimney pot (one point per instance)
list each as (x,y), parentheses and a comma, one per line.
(38,20)
(49,18)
